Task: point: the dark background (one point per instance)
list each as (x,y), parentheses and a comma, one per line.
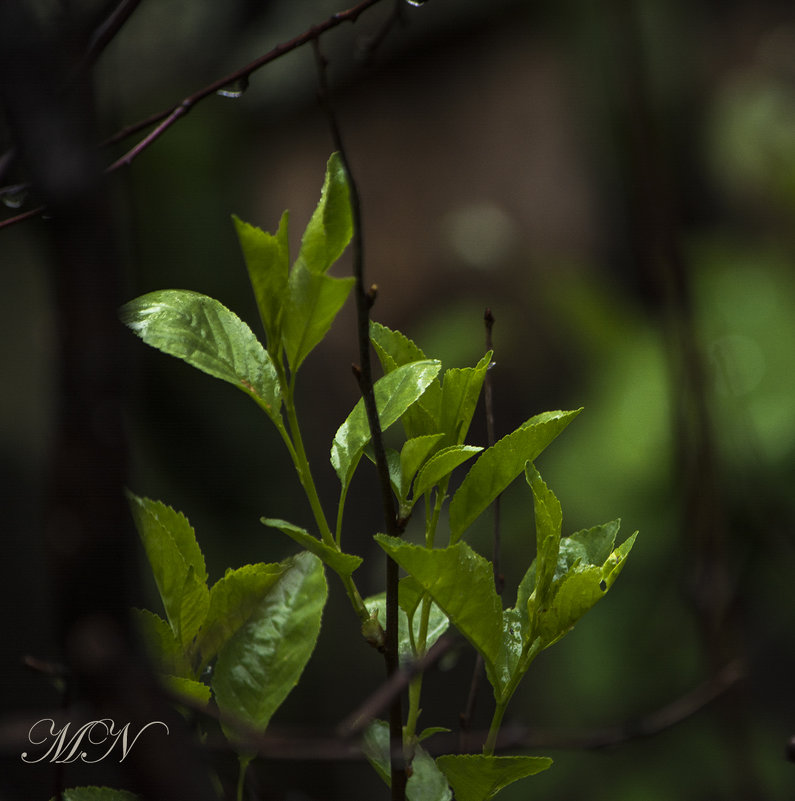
(616,181)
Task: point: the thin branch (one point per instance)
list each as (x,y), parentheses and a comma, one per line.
(165,119)
(358,720)
(364,376)
(465,718)
(105,33)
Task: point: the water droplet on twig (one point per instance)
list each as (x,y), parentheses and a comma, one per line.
(14,197)
(234,89)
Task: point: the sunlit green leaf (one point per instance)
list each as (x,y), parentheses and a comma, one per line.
(190,689)
(233,599)
(313,301)
(177,564)
(263,661)
(394,393)
(413,453)
(549,523)
(460,393)
(205,334)
(342,563)
(440,465)
(437,624)
(426,783)
(267,259)
(476,777)
(394,349)
(461,582)
(331,227)
(586,569)
(500,464)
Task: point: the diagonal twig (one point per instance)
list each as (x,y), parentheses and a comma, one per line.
(167,118)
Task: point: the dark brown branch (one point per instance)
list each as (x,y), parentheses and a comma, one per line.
(165,119)
(488,397)
(105,33)
(358,720)
(365,378)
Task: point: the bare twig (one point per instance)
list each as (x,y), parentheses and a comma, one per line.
(364,376)
(105,33)
(358,720)
(465,717)
(165,119)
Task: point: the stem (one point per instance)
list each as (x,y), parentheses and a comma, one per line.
(244,760)
(397,763)
(529,653)
(298,452)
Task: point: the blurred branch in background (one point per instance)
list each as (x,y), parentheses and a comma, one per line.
(233,82)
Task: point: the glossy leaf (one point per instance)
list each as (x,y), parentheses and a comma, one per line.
(342,563)
(437,624)
(476,777)
(263,661)
(177,564)
(233,600)
(205,334)
(461,582)
(549,523)
(394,393)
(394,350)
(331,226)
(426,783)
(460,393)
(413,453)
(267,259)
(500,464)
(313,301)
(440,465)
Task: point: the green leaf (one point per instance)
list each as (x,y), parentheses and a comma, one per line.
(331,227)
(500,464)
(440,465)
(394,393)
(162,646)
(267,259)
(585,571)
(263,661)
(342,563)
(460,393)
(208,336)
(549,523)
(177,564)
(97,794)
(190,689)
(426,783)
(437,625)
(461,582)
(413,453)
(476,777)
(233,600)
(313,301)
(395,350)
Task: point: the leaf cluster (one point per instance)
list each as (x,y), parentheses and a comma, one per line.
(256,627)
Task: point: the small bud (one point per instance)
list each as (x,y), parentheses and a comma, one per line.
(373,632)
